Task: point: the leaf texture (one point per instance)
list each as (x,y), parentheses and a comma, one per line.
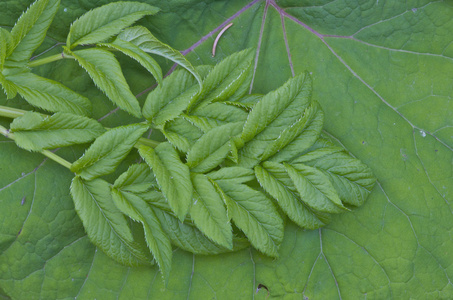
(107,151)
(105,225)
(34,132)
(106,21)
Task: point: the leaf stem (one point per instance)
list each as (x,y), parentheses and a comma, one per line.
(12,113)
(147,142)
(47,153)
(49,59)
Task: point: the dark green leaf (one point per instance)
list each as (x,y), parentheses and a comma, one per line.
(173,176)
(106,73)
(106,21)
(105,225)
(107,151)
(35,132)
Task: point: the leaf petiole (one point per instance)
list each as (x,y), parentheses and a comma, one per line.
(47,153)
(49,59)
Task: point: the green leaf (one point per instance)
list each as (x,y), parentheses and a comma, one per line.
(156,239)
(181,133)
(216,114)
(137,179)
(208,212)
(232,174)
(351,178)
(171,99)
(274,179)
(255,215)
(212,148)
(107,151)
(145,40)
(35,132)
(269,123)
(225,79)
(106,73)
(189,238)
(106,21)
(314,188)
(173,176)
(104,224)
(30,30)
(6,41)
(140,56)
(48,94)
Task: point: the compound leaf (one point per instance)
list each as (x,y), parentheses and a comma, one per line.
(35,132)
(106,21)
(107,151)
(137,179)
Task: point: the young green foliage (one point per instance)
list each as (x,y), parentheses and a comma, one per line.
(231,165)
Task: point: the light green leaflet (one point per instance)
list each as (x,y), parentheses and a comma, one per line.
(189,238)
(49,95)
(35,132)
(145,40)
(137,179)
(213,147)
(208,212)
(139,55)
(232,174)
(255,215)
(30,30)
(181,133)
(225,79)
(103,222)
(171,99)
(103,22)
(157,241)
(276,182)
(6,41)
(172,175)
(106,73)
(107,151)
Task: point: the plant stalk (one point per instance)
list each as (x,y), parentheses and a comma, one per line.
(49,59)
(47,153)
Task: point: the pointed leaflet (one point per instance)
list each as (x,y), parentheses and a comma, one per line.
(277,183)
(106,227)
(35,132)
(232,174)
(216,114)
(30,30)
(171,99)
(187,237)
(106,21)
(107,151)
(225,79)
(254,214)
(352,179)
(137,179)
(300,135)
(208,212)
(172,175)
(247,101)
(139,55)
(181,133)
(143,38)
(273,114)
(212,148)
(106,73)
(6,41)
(314,188)
(155,237)
(48,94)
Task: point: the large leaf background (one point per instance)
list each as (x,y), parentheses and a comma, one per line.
(383,73)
